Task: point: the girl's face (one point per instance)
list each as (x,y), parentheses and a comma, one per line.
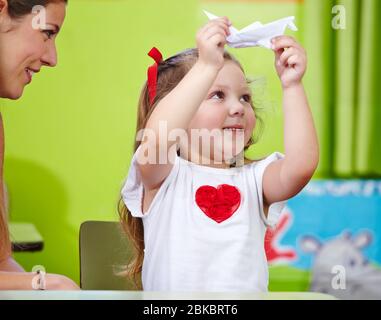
(227,111)
(24,48)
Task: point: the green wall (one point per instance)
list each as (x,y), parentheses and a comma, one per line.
(69,139)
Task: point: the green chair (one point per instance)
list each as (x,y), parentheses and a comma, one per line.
(104,252)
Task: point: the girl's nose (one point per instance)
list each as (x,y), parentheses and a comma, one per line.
(50,57)
(236,109)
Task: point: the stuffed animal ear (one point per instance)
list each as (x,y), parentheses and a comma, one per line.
(310,244)
(362,239)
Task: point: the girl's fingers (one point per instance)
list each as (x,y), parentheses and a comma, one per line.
(221,22)
(207,35)
(214,26)
(217,21)
(227,21)
(218,39)
(286,55)
(278,54)
(215,30)
(285,42)
(293,60)
(224,19)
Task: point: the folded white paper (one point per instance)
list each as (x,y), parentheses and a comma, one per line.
(257,34)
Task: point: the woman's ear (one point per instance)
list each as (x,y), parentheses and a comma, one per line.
(4,16)
(3,5)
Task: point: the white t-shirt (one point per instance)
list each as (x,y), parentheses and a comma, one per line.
(187,245)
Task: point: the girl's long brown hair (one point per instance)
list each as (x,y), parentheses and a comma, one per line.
(170,73)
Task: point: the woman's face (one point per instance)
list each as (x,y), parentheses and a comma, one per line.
(25,48)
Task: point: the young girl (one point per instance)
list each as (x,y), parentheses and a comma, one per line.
(198,220)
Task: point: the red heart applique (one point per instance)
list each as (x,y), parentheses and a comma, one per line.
(218,204)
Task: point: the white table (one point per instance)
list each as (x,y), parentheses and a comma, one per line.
(140,295)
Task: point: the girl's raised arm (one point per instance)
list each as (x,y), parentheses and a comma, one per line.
(177,109)
(285,178)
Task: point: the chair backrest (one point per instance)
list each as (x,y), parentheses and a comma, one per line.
(104,252)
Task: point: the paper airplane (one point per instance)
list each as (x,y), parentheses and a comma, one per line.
(257,34)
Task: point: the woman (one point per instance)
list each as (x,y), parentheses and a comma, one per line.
(27,43)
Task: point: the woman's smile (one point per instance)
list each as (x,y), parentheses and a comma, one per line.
(30,73)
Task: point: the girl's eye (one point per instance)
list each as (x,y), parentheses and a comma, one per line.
(246,98)
(217,95)
(49,33)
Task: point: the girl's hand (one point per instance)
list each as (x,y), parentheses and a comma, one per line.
(211,40)
(290,60)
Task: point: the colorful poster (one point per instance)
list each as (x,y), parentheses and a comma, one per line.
(330,232)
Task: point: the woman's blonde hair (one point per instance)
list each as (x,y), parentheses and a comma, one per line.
(170,73)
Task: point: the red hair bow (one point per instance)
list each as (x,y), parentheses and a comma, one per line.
(152,73)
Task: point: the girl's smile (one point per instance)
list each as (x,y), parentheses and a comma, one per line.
(227,108)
